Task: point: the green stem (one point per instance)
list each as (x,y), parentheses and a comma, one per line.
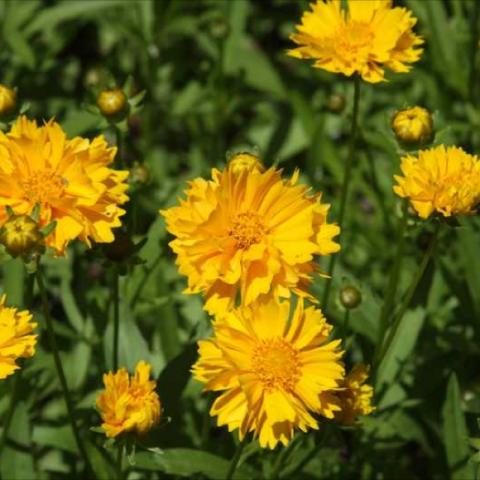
(347,176)
(284,454)
(236,459)
(116,316)
(119,139)
(390,292)
(346,321)
(408,297)
(120,462)
(58,365)
(11,409)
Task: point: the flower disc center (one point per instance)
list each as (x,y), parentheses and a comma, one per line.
(276,364)
(246,229)
(43,186)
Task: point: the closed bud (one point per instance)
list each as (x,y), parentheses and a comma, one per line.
(139,174)
(413,126)
(350,297)
(336,103)
(21,236)
(245,161)
(8,100)
(112,103)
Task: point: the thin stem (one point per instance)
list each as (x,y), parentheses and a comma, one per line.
(58,365)
(11,409)
(236,459)
(116,316)
(119,140)
(347,176)
(120,462)
(346,321)
(408,296)
(284,454)
(148,271)
(392,284)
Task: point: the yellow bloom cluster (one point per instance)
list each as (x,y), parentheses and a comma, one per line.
(249,232)
(444,180)
(70,179)
(129,404)
(366,38)
(16,338)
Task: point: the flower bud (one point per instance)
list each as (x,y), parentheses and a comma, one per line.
(413,126)
(336,103)
(139,174)
(8,100)
(245,161)
(112,102)
(350,297)
(21,236)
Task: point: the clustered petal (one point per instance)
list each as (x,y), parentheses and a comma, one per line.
(274,373)
(16,338)
(444,180)
(366,38)
(70,179)
(129,404)
(249,232)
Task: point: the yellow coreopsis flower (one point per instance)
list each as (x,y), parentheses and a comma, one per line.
(129,404)
(70,179)
(368,37)
(248,231)
(16,338)
(445,180)
(356,396)
(275,373)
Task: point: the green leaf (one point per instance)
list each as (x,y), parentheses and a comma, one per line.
(55,437)
(187,463)
(455,434)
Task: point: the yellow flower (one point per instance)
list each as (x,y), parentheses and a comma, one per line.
(248,231)
(356,398)
(8,100)
(413,125)
(16,338)
(274,373)
(70,179)
(21,236)
(443,179)
(370,36)
(129,404)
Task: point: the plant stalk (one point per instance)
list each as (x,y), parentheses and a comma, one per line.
(236,459)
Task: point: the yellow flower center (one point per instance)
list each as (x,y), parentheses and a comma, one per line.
(353,36)
(44,185)
(276,364)
(246,229)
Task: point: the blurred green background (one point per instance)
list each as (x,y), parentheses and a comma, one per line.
(217,80)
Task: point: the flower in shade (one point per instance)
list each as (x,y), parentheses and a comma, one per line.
(413,125)
(275,372)
(248,231)
(71,180)
(444,180)
(129,404)
(16,338)
(356,397)
(368,37)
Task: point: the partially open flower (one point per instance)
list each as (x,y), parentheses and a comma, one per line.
(413,126)
(21,236)
(129,404)
(112,102)
(8,100)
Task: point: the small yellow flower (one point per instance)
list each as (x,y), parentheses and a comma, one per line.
(248,231)
(366,38)
(70,179)
(413,125)
(8,100)
(129,404)
(275,370)
(445,180)
(112,102)
(21,236)
(16,338)
(356,397)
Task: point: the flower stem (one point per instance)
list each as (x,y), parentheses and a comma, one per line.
(347,176)
(58,365)
(116,316)
(388,304)
(346,321)
(11,409)
(236,459)
(408,297)
(120,462)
